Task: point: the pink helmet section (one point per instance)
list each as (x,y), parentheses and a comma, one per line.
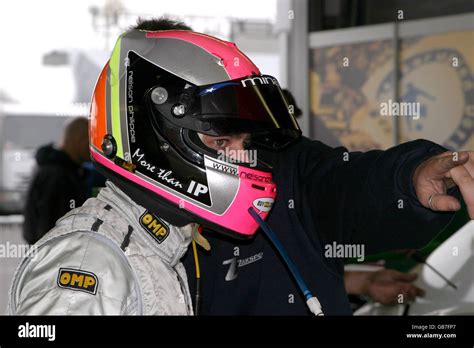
(235,63)
(254,186)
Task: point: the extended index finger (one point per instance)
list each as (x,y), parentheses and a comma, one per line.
(448,161)
(465,182)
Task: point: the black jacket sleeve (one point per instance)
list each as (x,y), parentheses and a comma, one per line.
(48,199)
(368,198)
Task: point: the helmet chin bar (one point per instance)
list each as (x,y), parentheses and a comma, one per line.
(163,208)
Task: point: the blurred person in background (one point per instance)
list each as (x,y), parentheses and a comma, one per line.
(59,183)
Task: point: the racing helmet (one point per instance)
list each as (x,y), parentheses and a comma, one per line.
(158,94)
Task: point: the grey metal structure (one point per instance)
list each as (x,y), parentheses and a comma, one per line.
(292,28)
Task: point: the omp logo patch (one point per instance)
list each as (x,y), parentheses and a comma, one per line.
(74,279)
(154,226)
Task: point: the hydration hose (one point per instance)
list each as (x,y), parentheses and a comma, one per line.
(311,301)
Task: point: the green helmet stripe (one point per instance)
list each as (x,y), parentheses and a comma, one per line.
(115,96)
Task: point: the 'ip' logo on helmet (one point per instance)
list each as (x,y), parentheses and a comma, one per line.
(75,279)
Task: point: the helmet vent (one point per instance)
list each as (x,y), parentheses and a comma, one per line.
(258,187)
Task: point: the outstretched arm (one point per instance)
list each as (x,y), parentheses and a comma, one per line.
(378,198)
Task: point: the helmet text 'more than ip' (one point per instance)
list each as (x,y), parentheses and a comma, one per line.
(156,96)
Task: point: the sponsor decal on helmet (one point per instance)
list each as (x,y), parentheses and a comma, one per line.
(255,177)
(224,168)
(130,108)
(162,174)
(197,189)
(154,226)
(221,166)
(263,204)
(263,80)
(74,279)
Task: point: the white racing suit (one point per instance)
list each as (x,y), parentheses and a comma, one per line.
(110,256)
